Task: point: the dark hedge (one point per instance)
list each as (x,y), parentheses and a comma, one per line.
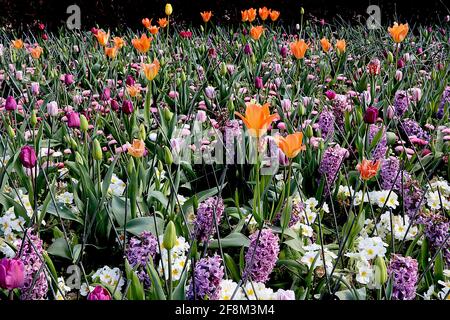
(117,13)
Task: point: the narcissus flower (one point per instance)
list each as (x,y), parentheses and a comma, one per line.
(257,118)
(291,145)
(263,13)
(256,32)
(398,32)
(163,22)
(142,44)
(206,16)
(36,52)
(137,149)
(340,46)
(326,45)
(111,52)
(368,169)
(151,69)
(102,37)
(298,48)
(18,43)
(274,15)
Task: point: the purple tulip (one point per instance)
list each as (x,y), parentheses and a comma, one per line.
(284,51)
(28,157)
(400,63)
(99,293)
(248,49)
(130,80)
(371,115)
(259,83)
(68,79)
(106,94)
(210,92)
(12,273)
(330,94)
(127,107)
(115,105)
(10,104)
(35,88)
(52,108)
(73,120)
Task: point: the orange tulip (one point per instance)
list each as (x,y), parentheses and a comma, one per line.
(137,149)
(143,44)
(147,22)
(111,52)
(398,32)
(368,169)
(256,32)
(340,46)
(206,16)
(118,42)
(102,37)
(326,45)
(36,52)
(291,145)
(163,22)
(153,29)
(18,44)
(298,48)
(257,118)
(133,91)
(244,15)
(151,69)
(264,13)
(274,15)
(251,14)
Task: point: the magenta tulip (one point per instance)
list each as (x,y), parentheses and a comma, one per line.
(12,273)
(10,104)
(73,119)
(99,293)
(27,157)
(371,115)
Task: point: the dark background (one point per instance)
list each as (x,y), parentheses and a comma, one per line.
(117,13)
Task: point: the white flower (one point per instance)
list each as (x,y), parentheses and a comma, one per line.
(62,289)
(258,291)
(227,290)
(85,289)
(110,277)
(370,248)
(365,272)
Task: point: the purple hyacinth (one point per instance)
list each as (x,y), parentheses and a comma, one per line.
(404,273)
(412,128)
(401,102)
(139,252)
(204,221)
(436,228)
(389,173)
(445,99)
(339,104)
(208,274)
(331,162)
(30,252)
(261,256)
(297,209)
(326,124)
(380,149)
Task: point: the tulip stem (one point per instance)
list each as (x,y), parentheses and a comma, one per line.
(169,262)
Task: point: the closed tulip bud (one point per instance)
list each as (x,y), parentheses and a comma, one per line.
(168,157)
(253,59)
(167,114)
(381,275)
(321,145)
(302,11)
(183,76)
(127,107)
(33,120)
(371,115)
(359,116)
(52,108)
(28,157)
(390,57)
(259,83)
(284,52)
(178,81)
(301,109)
(10,131)
(160,166)
(10,104)
(130,80)
(115,105)
(142,133)
(248,49)
(106,94)
(398,75)
(230,106)
(84,125)
(168,9)
(98,153)
(400,63)
(73,120)
(202,48)
(170,236)
(68,79)
(309,131)
(391,138)
(223,69)
(79,158)
(390,112)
